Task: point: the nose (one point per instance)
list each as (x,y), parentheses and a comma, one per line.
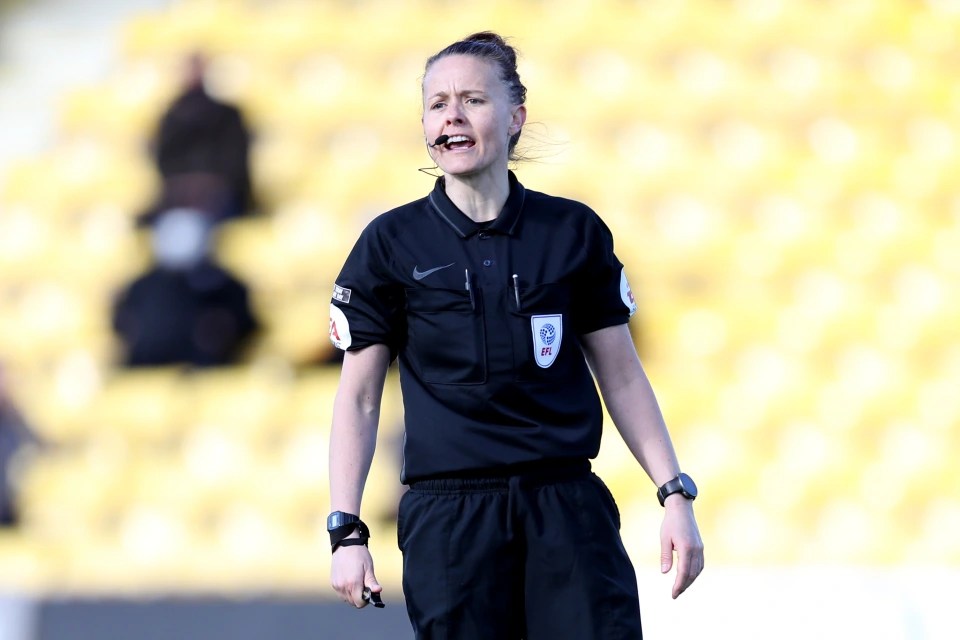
(454,114)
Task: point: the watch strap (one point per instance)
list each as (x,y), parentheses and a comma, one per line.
(338,536)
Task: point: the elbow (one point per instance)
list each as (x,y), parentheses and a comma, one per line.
(358,402)
(368,405)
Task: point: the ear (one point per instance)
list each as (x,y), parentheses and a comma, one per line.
(519,117)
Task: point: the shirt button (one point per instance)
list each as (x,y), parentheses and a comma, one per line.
(484,235)
(488,263)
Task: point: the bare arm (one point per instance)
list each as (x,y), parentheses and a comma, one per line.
(630,400)
(353,437)
(633,407)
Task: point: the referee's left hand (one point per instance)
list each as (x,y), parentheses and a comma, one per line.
(679,534)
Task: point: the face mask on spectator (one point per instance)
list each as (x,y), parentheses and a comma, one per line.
(180,239)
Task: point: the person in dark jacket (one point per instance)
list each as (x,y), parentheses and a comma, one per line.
(186,308)
(201,149)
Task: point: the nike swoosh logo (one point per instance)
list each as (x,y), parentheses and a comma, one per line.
(420,275)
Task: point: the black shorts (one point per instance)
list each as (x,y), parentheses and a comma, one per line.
(534,557)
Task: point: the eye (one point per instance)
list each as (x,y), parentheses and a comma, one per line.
(474,101)
(437,105)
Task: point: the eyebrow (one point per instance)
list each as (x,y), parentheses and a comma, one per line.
(466,92)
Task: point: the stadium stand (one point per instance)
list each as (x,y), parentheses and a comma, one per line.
(781,187)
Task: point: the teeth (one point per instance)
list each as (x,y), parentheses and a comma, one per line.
(458,139)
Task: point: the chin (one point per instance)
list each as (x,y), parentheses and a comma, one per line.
(463,169)
(459,172)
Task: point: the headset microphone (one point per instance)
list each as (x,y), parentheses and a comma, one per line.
(439,141)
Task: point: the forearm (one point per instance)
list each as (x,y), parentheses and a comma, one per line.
(630,400)
(353,436)
(352,442)
(634,410)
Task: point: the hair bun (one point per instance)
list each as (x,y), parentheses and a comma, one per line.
(486,36)
(489,37)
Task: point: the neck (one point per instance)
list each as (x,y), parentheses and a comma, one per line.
(481,197)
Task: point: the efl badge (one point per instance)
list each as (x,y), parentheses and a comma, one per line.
(339,329)
(626,294)
(547,335)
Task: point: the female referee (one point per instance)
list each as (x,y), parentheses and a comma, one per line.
(499,302)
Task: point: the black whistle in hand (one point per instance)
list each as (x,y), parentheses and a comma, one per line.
(373,598)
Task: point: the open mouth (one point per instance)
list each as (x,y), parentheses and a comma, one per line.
(459,142)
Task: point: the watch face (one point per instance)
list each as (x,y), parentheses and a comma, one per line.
(688,485)
(338,518)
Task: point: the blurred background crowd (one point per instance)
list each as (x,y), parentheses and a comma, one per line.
(781,177)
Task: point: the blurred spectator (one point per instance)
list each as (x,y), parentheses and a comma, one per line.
(186,308)
(201,150)
(15,438)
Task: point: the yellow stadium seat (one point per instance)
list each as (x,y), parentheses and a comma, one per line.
(311,401)
(56,507)
(28,563)
(143,405)
(237,402)
(935,543)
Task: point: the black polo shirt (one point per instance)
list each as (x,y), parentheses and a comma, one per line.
(486,321)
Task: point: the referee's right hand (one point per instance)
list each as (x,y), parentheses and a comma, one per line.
(351,572)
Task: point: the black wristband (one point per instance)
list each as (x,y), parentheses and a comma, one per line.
(338,536)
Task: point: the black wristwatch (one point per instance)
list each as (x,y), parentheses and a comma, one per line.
(682,484)
(339,519)
(340,525)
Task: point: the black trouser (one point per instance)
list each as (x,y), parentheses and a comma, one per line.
(534,557)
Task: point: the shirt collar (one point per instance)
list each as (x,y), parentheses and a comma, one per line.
(505,222)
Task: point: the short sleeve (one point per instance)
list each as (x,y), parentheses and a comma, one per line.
(602,295)
(366,301)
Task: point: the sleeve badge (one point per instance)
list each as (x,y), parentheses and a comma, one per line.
(339,329)
(626,293)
